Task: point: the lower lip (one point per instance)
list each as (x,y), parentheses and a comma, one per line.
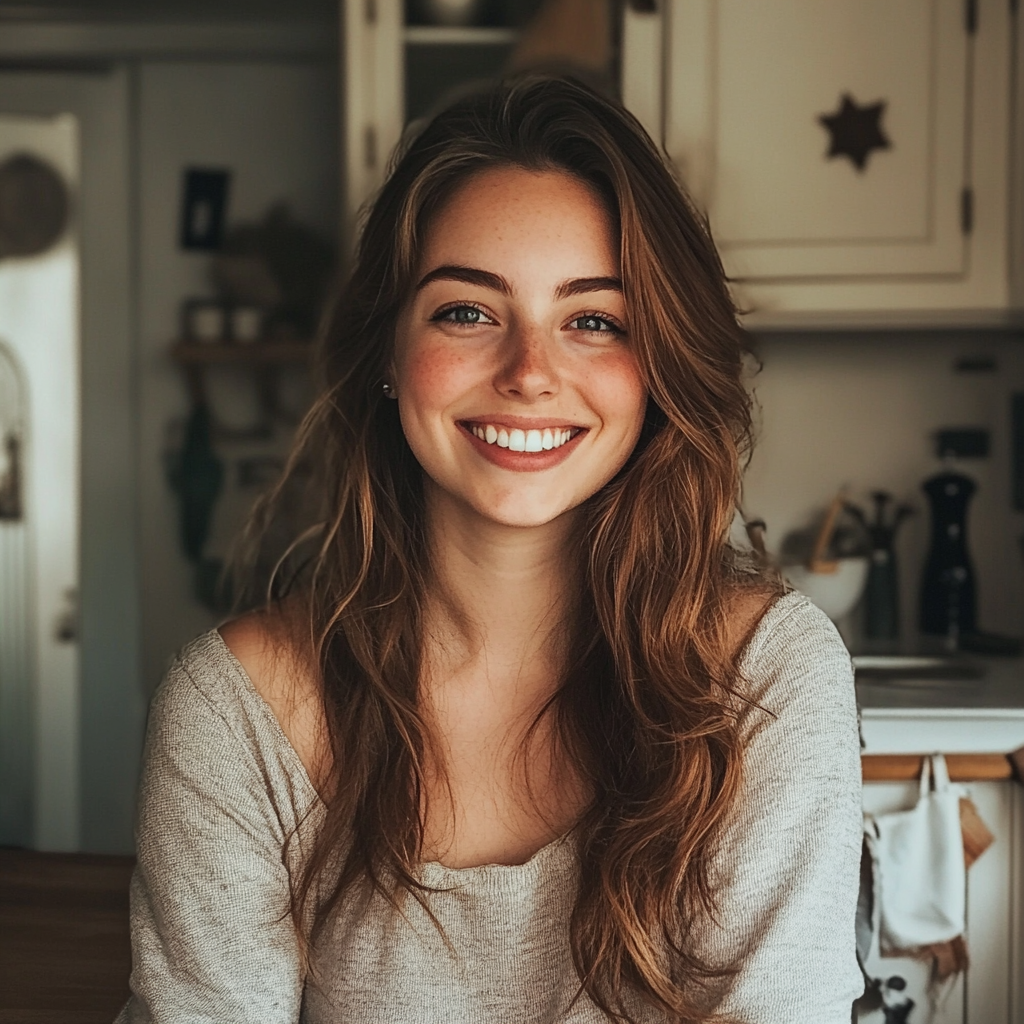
(523,462)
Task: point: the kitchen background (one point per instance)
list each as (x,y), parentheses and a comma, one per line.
(254,91)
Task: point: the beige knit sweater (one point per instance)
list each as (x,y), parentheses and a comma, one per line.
(222,790)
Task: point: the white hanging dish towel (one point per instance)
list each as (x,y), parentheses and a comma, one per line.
(919,854)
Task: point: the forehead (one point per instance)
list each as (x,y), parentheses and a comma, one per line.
(511,211)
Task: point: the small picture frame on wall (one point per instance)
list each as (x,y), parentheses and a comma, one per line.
(204,208)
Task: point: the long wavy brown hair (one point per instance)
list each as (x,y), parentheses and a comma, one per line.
(645,708)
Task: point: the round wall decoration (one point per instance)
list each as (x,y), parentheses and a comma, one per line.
(34,206)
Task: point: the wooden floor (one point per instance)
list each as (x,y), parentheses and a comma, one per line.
(64,950)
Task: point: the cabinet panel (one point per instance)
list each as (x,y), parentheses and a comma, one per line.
(990,918)
(746,88)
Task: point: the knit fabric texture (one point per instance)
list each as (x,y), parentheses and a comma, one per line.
(223,790)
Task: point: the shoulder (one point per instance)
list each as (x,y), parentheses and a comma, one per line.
(745,608)
(797,703)
(202,689)
(794,649)
(283,672)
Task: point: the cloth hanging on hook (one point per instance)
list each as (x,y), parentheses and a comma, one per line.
(198,481)
(922,873)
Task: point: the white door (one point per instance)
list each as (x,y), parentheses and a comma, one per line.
(756,97)
(16,673)
(39,420)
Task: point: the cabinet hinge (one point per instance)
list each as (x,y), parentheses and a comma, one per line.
(370,146)
(971,16)
(370,11)
(967,210)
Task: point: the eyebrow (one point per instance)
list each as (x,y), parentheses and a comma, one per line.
(487,279)
(468,275)
(582,285)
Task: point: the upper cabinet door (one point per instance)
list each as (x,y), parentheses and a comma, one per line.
(825,138)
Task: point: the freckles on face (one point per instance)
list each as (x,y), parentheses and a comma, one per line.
(518,390)
(434,368)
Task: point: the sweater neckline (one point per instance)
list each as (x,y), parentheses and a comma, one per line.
(433,872)
(437,875)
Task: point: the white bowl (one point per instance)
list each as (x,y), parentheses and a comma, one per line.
(450,12)
(835,593)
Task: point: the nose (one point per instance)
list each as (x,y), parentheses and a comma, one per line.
(527,371)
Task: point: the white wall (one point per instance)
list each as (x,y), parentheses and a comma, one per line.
(274,125)
(860,410)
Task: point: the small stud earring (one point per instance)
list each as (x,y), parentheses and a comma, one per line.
(389,391)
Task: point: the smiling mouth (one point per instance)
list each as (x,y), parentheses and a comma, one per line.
(516,440)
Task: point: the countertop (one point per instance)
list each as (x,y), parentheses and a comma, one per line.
(916,716)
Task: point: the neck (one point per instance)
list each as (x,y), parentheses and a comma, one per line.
(502,592)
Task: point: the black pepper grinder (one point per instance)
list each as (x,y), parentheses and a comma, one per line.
(948,594)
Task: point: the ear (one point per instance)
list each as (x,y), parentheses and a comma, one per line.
(390,376)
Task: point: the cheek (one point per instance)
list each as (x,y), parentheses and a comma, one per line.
(430,376)
(619,392)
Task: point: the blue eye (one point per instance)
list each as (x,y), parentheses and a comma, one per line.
(462,315)
(595,324)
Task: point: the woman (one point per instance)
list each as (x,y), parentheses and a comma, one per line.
(517,737)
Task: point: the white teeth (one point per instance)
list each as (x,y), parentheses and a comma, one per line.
(522,440)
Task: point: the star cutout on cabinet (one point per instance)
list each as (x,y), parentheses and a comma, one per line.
(855,131)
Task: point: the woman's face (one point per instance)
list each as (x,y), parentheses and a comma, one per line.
(517,387)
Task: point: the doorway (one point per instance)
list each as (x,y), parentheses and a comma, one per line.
(69,750)
(39,424)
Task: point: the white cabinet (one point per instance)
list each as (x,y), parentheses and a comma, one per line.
(924,227)
(991,992)
(750,88)
(914,215)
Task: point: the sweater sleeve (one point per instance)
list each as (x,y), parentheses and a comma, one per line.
(789,862)
(212,938)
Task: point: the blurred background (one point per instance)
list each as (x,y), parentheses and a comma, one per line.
(180,180)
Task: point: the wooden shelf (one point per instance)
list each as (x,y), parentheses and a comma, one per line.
(962,767)
(256,353)
(460,35)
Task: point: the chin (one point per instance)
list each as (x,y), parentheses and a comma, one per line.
(523,514)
